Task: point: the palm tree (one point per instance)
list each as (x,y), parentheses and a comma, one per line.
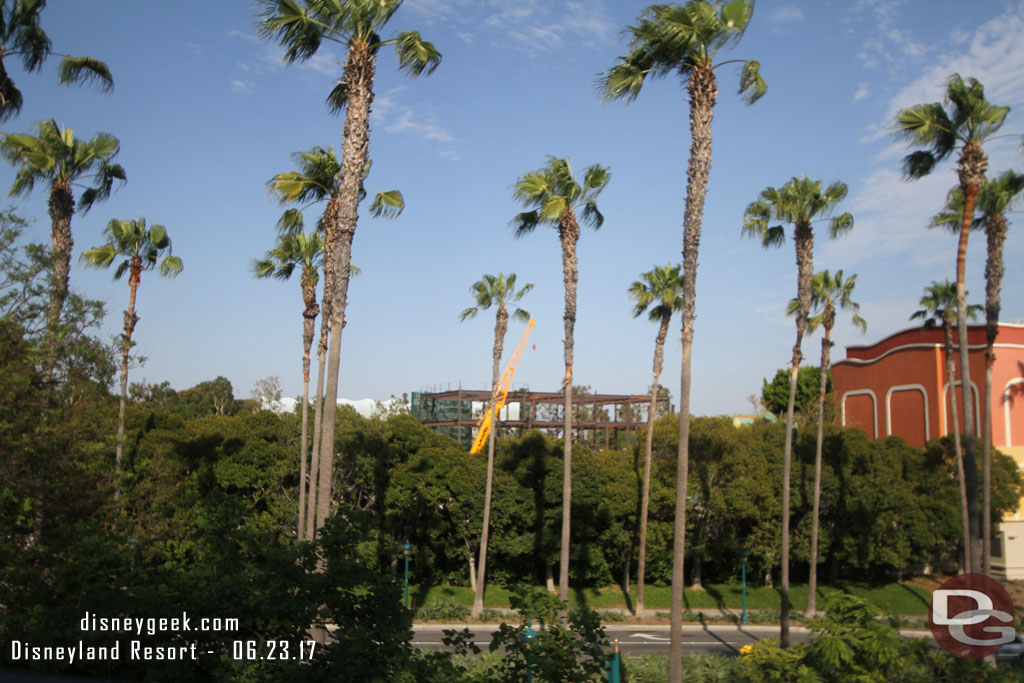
(970,121)
(799,202)
(555,197)
(355,24)
(306,251)
(939,310)
(827,293)
(684,39)
(493,290)
(55,155)
(995,198)
(141,248)
(318,178)
(659,290)
(21,36)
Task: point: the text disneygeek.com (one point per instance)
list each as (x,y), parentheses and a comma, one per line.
(136,649)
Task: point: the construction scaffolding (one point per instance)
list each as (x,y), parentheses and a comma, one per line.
(455,412)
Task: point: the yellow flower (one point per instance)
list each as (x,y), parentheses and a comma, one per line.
(746,649)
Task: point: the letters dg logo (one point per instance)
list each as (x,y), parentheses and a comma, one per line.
(971,616)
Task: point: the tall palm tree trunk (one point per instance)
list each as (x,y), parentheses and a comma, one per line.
(359,71)
(569,234)
(995,231)
(645,499)
(500,325)
(957,449)
(329,223)
(803,238)
(61,209)
(318,409)
(812,581)
(129,326)
(308,324)
(971,171)
(703,90)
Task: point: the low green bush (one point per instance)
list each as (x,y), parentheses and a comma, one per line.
(443,609)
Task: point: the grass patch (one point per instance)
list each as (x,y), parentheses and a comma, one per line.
(893,598)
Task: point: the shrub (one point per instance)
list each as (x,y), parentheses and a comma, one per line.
(443,609)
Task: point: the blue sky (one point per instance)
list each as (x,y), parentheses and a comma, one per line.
(207,113)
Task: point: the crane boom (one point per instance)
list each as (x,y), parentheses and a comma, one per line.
(500,392)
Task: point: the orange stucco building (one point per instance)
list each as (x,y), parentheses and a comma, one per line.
(899,386)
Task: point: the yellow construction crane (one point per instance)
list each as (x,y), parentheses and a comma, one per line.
(500,392)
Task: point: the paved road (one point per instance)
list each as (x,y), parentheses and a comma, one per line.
(637,641)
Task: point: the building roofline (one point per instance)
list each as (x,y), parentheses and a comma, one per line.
(919,328)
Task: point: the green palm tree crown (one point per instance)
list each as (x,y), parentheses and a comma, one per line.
(682,38)
(318,178)
(497,290)
(939,306)
(556,195)
(660,290)
(830,293)
(970,120)
(302,250)
(22,36)
(800,202)
(996,197)
(56,155)
(140,246)
(301,28)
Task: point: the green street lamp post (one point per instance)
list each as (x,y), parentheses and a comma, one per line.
(528,635)
(743,560)
(406,549)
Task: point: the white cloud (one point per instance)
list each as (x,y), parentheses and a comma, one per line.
(785,14)
(244,35)
(243,87)
(862,92)
(426,129)
(995,57)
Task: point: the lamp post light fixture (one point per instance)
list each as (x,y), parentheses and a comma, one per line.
(406,549)
(743,559)
(528,635)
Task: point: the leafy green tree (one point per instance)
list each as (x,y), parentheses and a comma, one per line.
(55,155)
(356,25)
(939,310)
(306,251)
(684,39)
(800,202)
(827,293)
(209,397)
(22,270)
(995,198)
(497,291)
(775,394)
(571,652)
(22,36)
(969,122)
(143,249)
(661,292)
(555,196)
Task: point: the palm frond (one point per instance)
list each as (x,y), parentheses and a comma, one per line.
(85,70)
(752,85)
(388,204)
(291,27)
(337,99)
(416,55)
(919,164)
(171,266)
